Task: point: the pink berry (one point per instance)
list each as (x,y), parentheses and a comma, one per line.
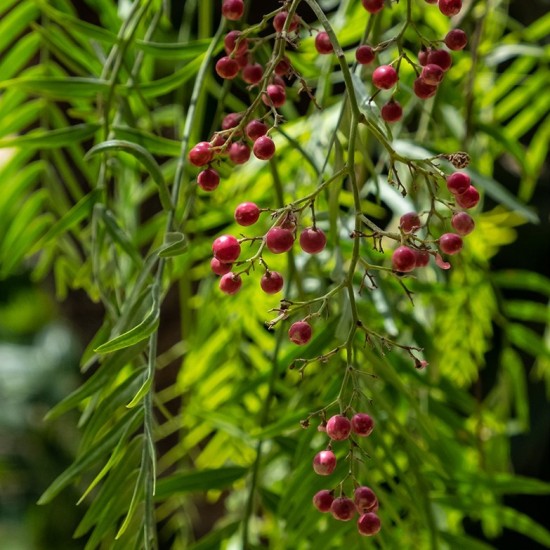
(365,499)
(231,120)
(219,268)
(368,524)
(450,7)
(384,77)
(252,74)
(422,258)
(456,39)
(403,259)
(272,282)
(323,44)
(208,179)
(373,6)
(312,240)
(440,57)
(324,463)
(432,74)
(423,56)
(255,129)
(410,222)
(239,153)
(450,243)
(362,424)
(422,90)
(247,213)
(458,182)
(300,332)
(392,111)
(218,140)
(264,148)
(283,67)
(233,9)
(279,240)
(322,500)
(201,154)
(230,43)
(463,223)
(227,68)
(242,60)
(280,19)
(343,508)
(226,248)
(230,283)
(364,55)
(469,198)
(338,427)
(276,96)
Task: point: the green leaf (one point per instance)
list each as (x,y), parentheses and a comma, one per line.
(526,339)
(154,144)
(144,389)
(169,83)
(521,523)
(19,55)
(15,22)
(523,280)
(63,88)
(175,244)
(180,52)
(52,139)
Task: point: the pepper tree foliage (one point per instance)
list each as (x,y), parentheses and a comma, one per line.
(101,195)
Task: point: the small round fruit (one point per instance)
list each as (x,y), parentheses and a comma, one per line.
(422,90)
(201,154)
(208,179)
(227,68)
(458,182)
(279,240)
(230,283)
(343,508)
(239,153)
(247,213)
(463,223)
(364,55)
(422,258)
(373,6)
(365,499)
(231,120)
(255,129)
(226,248)
(338,427)
(324,463)
(368,524)
(313,240)
(283,66)
(440,57)
(276,96)
(450,7)
(450,243)
(322,500)
(423,56)
(280,19)
(432,74)
(323,44)
(272,282)
(469,198)
(384,77)
(233,9)
(300,333)
(252,74)
(456,39)
(219,268)
(410,222)
(392,111)
(264,148)
(230,42)
(362,424)
(403,259)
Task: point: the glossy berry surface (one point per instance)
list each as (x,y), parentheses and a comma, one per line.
(272,282)
(458,182)
(384,77)
(469,198)
(239,153)
(450,7)
(450,243)
(283,66)
(219,268)
(368,524)
(322,500)
(463,223)
(231,120)
(364,55)
(208,179)
(373,6)
(227,68)
(323,44)
(312,240)
(264,148)
(279,240)
(423,57)
(362,424)
(392,111)
(324,463)
(201,154)
(300,333)
(422,258)
(255,129)
(252,74)
(338,427)
(410,222)
(276,96)
(422,90)
(230,43)
(280,19)
(230,283)
(343,509)
(456,39)
(364,499)
(247,213)
(432,74)
(233,9)
(403,259)
(226,248)
(440,57)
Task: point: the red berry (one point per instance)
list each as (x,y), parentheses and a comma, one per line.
(230,283)
(463,223)
(280,19)
(432,74)
(410,222)
(227,68)
(300,333)
(208,179)
(362,424)
(440,57)
(218,140)
(338,427)
(322,500)
(201,154)
(231,120)
(392,111)
(364,55)
(226,248)
(450,243)
(324,463)
(384,77)
(403,259)
(343,508)
(422,258)
(279,240)
(220,268)
(373,6)
(365,499)
(423,56)
(272,282)
(276,96)
(255,129)
(423,90)
(230,42)
(368,524)
(323,44)
(450,7)
(312,240)
(469,198)
(239,153)
(283,67)
(458,182)
(456,39)
(247,213)
(233,9)
(242,60)
(264,148)
(252,74)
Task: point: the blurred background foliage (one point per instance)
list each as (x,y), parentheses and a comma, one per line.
(453,443)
